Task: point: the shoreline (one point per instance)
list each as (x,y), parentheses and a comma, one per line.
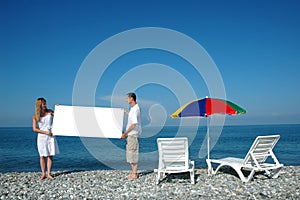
(112,184)
(263,124)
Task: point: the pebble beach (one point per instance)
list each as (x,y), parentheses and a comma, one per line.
(113,184)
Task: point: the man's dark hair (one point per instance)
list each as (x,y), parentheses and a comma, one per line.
(131,94)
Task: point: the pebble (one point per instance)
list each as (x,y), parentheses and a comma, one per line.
(112,184)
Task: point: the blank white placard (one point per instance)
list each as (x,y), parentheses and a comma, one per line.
(88,121)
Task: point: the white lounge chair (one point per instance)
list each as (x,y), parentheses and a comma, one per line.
(174,157)
(254,161)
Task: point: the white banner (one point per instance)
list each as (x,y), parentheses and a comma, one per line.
(81,121)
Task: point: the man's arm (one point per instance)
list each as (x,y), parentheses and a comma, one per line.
(131,127)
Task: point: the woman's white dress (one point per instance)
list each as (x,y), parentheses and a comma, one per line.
(47,145)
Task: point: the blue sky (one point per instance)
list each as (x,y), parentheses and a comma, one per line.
(254,44)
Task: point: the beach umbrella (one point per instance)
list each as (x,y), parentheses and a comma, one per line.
(206,107)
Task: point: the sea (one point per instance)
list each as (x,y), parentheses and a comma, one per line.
(18,149)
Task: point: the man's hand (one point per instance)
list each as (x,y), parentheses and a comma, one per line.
(123,135)
(125,111)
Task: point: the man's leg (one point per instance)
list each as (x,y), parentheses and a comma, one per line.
(134,167)
(132,155)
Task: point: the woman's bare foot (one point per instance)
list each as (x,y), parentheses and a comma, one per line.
(50,177)
(42,177)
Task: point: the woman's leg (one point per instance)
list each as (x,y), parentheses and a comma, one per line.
(49,166)
(43,167)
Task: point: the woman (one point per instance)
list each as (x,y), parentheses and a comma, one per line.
(46,143)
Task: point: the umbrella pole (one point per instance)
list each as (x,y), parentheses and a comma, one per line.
(209,167)
(208,142)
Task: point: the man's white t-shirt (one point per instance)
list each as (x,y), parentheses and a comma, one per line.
(134,117)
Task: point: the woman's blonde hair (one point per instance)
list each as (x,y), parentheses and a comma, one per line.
(38,105)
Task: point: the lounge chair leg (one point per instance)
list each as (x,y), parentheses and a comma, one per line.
(213,172)
(158,178)
(192,175)
(209,167)
(242,176)
(268,173)
(276,173)
(250,176)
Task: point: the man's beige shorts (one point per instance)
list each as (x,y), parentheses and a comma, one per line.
(132,149)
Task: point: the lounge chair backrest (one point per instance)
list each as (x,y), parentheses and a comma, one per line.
(261,149)
(173,153)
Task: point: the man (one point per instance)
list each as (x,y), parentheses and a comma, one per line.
(133,130)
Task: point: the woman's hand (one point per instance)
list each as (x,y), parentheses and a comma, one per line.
(50,133)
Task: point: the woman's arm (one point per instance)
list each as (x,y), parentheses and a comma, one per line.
(35,129)
(50,111)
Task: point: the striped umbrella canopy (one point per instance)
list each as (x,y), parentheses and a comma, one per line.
(206,107)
